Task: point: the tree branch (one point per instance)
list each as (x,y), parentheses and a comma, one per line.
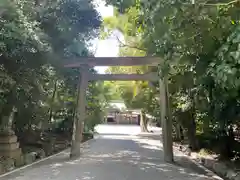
(127,45)
(214,4)
(220,4)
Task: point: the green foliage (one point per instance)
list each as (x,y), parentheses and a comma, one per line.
(200,47)
(36,38)
(225,68)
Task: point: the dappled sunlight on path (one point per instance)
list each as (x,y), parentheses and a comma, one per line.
(111,157)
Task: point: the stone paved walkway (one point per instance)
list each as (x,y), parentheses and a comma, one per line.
(114,155)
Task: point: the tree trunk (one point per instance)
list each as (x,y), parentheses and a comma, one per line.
(191,132)
(181,133)
(52,101)
(231,141)
(143,122)
(178,132)
(206,126)
(226,140)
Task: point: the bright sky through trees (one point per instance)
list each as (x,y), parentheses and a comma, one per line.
(108,47)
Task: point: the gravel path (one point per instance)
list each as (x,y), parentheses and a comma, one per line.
(117,153)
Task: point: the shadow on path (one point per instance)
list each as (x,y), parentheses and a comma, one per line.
(113,157)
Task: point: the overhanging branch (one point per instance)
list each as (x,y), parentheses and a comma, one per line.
(129,46)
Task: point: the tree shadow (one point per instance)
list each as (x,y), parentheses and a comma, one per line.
(179,158)
(109,158)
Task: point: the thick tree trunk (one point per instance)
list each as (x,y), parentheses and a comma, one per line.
(143,122)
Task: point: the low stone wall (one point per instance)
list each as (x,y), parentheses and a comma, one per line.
(9,163)
(10,152)
(220,168)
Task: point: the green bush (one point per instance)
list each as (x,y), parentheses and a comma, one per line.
(91,122)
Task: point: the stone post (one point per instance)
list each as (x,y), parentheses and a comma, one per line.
(9,146)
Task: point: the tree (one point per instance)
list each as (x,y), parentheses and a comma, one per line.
(37,37)
(194,41)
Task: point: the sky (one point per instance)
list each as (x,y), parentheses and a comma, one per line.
(110,46)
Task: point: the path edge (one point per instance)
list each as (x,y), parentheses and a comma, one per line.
(42,160)
(208,171)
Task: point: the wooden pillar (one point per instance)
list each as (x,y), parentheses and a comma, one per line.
(80,116)
(131,119)
(115,116)
(166,121)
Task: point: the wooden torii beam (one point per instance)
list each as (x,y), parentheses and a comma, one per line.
(120,61)
(113,61)
(123,77)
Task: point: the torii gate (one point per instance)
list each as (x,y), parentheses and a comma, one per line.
(85,62)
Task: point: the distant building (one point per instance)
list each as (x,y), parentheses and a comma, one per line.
(118,113)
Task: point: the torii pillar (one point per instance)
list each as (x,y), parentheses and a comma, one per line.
(166,121)
(79,118)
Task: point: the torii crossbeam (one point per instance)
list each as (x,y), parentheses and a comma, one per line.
(113,61)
